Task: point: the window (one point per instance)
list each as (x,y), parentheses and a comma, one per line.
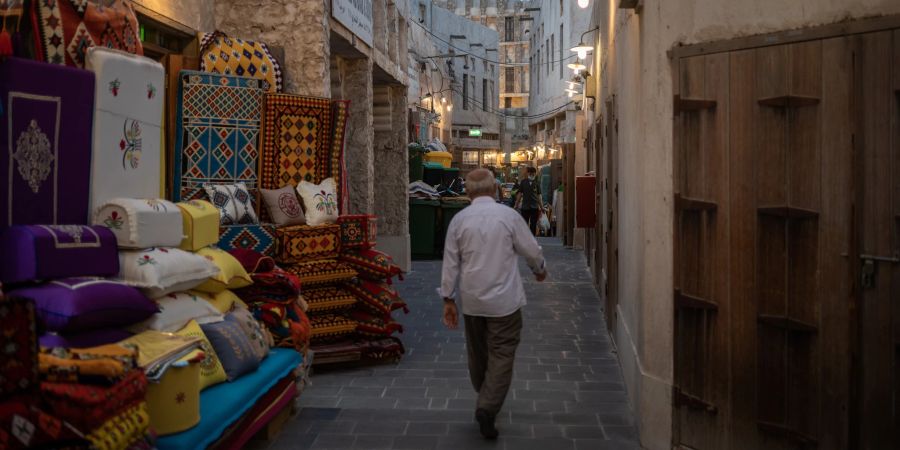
(549,54)
(552,50)
(470,158)
(510,26)
(561,47)
(510,79)
(489,158)
(507,102)
(484,95)
(422,11)
(465,91)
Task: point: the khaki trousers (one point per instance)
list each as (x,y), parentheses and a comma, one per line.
(491,343)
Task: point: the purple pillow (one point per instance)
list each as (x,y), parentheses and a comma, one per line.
(81,304)
(87,339)
(49,252)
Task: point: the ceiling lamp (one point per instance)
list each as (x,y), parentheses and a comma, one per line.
(450,107)
(577,67)
(583,3)
(443,99)
(582,49)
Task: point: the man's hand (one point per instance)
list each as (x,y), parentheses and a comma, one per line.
(451,315)
(540,277)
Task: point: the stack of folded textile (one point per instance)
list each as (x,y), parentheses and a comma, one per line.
(24,421)
(274,299)
(421,190)
(101,392)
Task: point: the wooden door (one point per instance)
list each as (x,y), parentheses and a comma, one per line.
(611,216)
(878,168)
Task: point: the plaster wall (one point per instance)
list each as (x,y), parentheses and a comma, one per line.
(635,74)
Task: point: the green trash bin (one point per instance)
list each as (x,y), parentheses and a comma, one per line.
(448,211)
(416,167)
(422,227)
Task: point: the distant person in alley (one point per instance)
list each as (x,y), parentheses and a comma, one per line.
(529,200)
(482,271)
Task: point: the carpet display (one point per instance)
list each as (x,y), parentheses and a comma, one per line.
(218,123)
(328,299)
(68,28)
(127,125)
(220,53)
(259,238)
(325,271)
(302,140)
(46,139)
(19,361)
(305,243)
(329,326)
(358,231)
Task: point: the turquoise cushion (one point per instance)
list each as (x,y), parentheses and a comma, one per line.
(223,404)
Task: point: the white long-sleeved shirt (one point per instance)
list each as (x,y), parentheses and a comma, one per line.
(480,259)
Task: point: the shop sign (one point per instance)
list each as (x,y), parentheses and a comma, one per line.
(475,132)
(355,15)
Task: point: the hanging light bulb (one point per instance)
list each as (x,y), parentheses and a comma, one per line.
(582,49)
(450,107)
(443,99)
(583,3)
(577,67)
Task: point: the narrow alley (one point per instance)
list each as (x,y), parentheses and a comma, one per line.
(567,390)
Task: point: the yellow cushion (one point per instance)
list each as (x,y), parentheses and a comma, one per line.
(223,301)
(200,223)
(211,370)
(232,274)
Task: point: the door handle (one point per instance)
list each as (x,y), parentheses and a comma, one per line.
(890,259)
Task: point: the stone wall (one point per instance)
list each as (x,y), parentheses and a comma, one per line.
(300,27)
(356,83)
(196,14)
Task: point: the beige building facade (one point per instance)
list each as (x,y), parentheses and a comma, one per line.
(323,57)
(691,309)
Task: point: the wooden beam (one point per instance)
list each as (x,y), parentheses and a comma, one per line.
(688,301)
(789,101)
(788,212)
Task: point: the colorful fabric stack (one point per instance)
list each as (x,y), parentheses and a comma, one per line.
(24,421)
(274,299)
(222,54)
(100,391)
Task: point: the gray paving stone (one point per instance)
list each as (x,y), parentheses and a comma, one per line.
(371,442)
(380,428)
(567,390)
(333,441)
(428,429)
(416,442)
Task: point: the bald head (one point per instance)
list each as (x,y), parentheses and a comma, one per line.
(480,182)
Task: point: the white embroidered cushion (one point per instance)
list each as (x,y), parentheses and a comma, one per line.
(320,201)
(234,203)
(159,271)
(142,223)
(177,309)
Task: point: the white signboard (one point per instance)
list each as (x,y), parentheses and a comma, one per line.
(355,15)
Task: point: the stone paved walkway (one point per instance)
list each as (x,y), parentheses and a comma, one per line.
(567,391)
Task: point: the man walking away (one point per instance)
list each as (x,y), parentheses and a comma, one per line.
(480,269)
(529,200)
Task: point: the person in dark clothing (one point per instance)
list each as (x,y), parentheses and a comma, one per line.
(529,201)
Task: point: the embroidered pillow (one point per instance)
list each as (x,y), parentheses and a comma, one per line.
(260,338)
(224,301)
(320,201)
(81,304)
(234,203)
(159,271)
(233,348)
(284,206)
(211,370)
(372,264)
(232,274)
(176,310)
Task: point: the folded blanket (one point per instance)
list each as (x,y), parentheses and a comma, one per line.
(87,407)
(23,425)
(288,323)
(275,286)
(123,430)
(253,262)
(106,364)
